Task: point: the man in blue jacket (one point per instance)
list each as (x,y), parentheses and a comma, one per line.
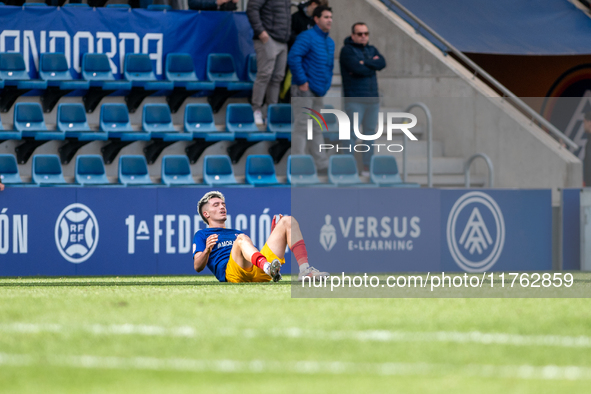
(311,61)
(359,62)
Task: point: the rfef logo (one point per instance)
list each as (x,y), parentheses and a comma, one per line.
(475,232)
(76,233)
(344,133)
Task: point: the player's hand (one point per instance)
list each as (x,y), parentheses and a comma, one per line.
(1,187)
(275,221)
(210,243)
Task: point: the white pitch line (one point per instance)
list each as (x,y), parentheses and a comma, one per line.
(473,337)
(547,372)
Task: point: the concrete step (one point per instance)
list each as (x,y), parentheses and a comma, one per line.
(450,181)
(441,165)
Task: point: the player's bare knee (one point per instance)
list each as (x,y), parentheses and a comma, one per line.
(242,239)
(289,222)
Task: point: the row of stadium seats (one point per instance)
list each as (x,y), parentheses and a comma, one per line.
(199,126)
(217,171)
(98,80)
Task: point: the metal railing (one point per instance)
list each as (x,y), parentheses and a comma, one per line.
(506,93)
(429,144)
(491,169)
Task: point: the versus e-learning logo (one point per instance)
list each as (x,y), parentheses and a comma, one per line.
(344,133)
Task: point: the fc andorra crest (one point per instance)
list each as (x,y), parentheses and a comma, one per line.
(76,233)
(475,232)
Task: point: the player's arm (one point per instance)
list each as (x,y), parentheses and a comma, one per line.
(200,258)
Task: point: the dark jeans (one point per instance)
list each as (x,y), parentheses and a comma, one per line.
(368,119)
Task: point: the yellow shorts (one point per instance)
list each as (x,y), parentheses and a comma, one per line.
(237,274)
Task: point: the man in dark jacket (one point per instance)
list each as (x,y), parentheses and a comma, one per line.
(359,62)
(311,61)
(271,23)
(302,19)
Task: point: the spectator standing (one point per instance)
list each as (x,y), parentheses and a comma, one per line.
(311,61)
(359,62)
(271,23)
(303,19)
(587,158)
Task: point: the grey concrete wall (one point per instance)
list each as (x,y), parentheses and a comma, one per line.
(468,116)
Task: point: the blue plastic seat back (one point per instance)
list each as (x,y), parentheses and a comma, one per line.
(180,67)
(76,5)
(279,118)
(156,117)
(72,117)
(90,169)
(240,117)
(133,169)
(221,67)
(199,117)
(125,6)
(138,67)
(217,169)
(343,169)
(252,67)
(29,116)
(34,5)
(301,169)
(9,169)
(96,67)
(12,66)
(115,117)
(176,170)
(47,169)
(159,7)
(260,170)
(384,169)
(54,66)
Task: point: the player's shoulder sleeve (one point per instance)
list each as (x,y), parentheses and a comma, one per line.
(199,241)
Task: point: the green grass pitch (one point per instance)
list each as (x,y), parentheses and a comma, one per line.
(190,334)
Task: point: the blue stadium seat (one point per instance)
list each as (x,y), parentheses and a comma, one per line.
(159,7)
(133,170)
(34,5)
(9,134)
(71,119)
(279,120)
(47,170)
(123,6)
(252,67)
(157,120)
(260,170)
(240,121)
(53,68)
(76,5)
(199,121)
(96,69)
(301,170)
(342,170)
(138,70)
(181,71)
(222,70)
(383,171)
(15,79)
(90,170)
(176,170)
(217,171)
(28,118)
(115,120)
(9,170)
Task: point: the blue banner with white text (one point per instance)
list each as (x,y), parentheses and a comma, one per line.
(115,32)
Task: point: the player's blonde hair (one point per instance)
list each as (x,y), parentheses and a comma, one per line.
(205,199)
